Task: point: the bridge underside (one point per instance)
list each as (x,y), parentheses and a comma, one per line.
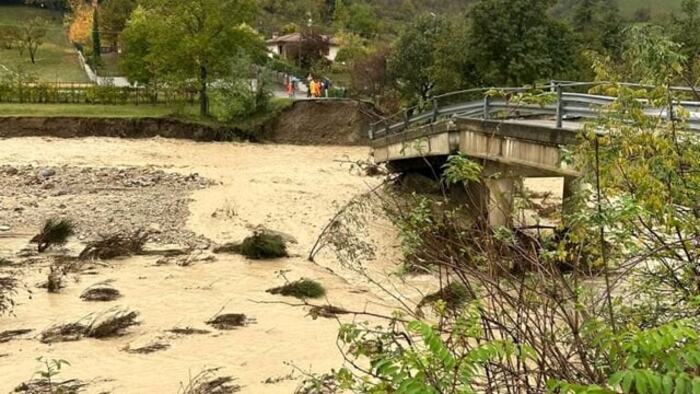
(507,151)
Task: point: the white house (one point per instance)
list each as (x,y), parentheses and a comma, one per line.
(287,46)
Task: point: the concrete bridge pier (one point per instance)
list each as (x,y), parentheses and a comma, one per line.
(501,195)
(493,198)
(571,187)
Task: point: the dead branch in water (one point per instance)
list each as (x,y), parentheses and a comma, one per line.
(330,311)
(116,245)
(8,287)
(6,336)
(46,386)
(109,323)
(340,232)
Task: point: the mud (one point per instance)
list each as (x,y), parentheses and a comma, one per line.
(329,122)
(123,199)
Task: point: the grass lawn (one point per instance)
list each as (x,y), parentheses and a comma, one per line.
(57,59)
(98,111)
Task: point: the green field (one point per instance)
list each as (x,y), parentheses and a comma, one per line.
(99,111)
(57,59)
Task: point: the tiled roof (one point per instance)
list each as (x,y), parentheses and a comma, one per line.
(296,37)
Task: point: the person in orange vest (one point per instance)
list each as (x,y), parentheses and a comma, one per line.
(314,88)
(290,87)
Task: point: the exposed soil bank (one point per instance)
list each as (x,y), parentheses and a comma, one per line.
(328,122)
(331,122)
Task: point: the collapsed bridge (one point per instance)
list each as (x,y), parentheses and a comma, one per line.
(512,138)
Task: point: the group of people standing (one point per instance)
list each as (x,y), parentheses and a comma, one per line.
(317,88)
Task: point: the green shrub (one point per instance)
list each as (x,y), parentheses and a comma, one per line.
(235,99)
(303,288)
(259,246)
(454,295)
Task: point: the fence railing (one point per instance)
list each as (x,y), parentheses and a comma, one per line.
(569,101)
(83,93)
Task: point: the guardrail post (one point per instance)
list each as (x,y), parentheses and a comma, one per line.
(371,132)
(560,107)
(435,111)
(487,107)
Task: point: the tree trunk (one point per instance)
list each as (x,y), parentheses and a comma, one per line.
(32,54)
(203,95)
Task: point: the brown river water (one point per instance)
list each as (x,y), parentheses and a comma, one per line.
(292,189)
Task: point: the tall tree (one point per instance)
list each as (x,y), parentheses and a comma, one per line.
(113,17)
(413,57)
(96,42)
(30,36)
(80,23)
(195,39)
(517,42)
(358,18)
(686,32)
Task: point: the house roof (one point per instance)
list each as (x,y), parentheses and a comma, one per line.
(296,37)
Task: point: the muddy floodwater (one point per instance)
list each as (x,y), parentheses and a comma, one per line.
(236,187)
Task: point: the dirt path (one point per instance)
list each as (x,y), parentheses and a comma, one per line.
(292,189)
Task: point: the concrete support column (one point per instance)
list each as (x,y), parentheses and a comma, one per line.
(500,204)
(571,187)
(492,199)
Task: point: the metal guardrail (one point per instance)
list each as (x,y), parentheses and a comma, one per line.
(567,105)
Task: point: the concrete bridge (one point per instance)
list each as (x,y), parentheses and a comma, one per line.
(510,138)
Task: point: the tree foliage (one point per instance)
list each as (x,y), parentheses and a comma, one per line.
(413,57)
(516,42)
(189,41)
(357,17)
(113,17)
(80,28)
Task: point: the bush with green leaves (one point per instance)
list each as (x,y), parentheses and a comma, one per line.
(302,288)
(661,360)
(455,296)
(243,92)
(261,245)
(414,356)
